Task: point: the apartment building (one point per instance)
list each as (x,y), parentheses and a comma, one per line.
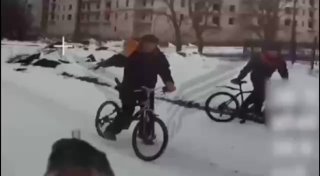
(35,7)
(121,19)
(307,20)
(62,17)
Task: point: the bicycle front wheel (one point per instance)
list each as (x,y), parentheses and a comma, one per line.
(159,138)
(105,115)
(221,107)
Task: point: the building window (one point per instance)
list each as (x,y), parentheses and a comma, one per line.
(98,5)
(115,29)
(117,4)
(287,22)
(232,8)
(82,16)
(303,1)
(108,4)
(288,10)
(181,17)
(143,16)
(97,16)
(127,3)
(199,5)
(126,16)
(144,3)
(231,21)
(88,6)
(53,7)
(83,6)
(62,17)
(303,12)
(152,3)
(70,7)
(107,16)
(311,2)
(183,3)
(302,23)
(52,17)
(216,7)
(310,24)
(115,15)
(216,20)
(311,14)
(57,17)
(30,7)
(64,8)
(69,17)
(88,17)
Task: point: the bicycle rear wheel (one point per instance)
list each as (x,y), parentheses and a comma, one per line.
(221,104)
(105,115)
(150,152)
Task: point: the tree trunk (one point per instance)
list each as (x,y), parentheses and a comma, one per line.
(178,39)
(76,33)
(313,58)
(199,41)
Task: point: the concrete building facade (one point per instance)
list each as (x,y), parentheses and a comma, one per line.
(121,19)
(62,17)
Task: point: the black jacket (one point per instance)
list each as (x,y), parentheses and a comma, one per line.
(262,68)
(141,69)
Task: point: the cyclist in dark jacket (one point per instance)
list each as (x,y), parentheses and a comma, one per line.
(141,68)
(261,67)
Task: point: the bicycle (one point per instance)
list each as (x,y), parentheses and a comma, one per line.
(224,106)
(146,118)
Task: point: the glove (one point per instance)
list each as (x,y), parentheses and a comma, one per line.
(164,89)
(235,81)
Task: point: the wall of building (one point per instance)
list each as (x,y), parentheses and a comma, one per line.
(120,19)
(62,17)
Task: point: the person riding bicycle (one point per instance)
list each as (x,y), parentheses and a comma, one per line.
(141,68)
(261,66)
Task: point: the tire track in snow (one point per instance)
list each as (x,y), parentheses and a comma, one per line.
(177,113)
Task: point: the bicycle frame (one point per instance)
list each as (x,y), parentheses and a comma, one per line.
(240,93)
(145,105)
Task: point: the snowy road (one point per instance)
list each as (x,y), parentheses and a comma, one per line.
(39,107)
(31,123)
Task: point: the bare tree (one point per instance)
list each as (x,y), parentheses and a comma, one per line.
(16,19)
(199,12)
(262,17)
(169,12)
(76,34)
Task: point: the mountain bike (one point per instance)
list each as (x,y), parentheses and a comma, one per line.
(228,105)
(144,130)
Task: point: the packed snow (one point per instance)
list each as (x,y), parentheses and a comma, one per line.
(39,106)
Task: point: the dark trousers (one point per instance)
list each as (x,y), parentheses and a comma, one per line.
(256,98)
(129,101)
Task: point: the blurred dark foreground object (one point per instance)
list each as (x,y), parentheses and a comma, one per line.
(74,157)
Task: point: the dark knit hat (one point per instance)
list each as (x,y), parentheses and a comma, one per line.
(149,38)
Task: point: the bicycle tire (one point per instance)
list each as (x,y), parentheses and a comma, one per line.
(162,148)
(97,123)
(208,110)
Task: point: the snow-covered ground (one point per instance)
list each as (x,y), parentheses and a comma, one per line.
(39,106)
